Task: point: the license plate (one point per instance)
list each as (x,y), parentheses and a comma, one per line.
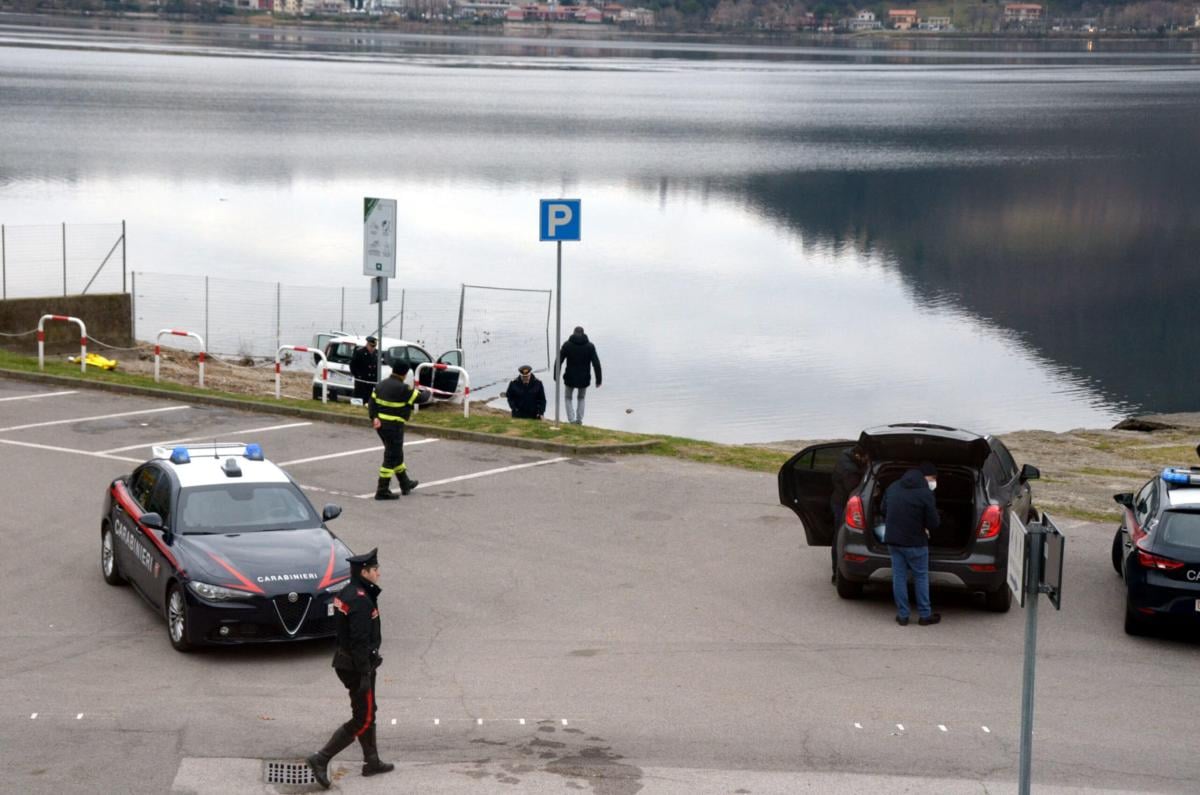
(329,608)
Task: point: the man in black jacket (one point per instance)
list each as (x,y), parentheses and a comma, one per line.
(579,356)
(847,474)
(358,640)
(911,512)
(364,366)
(526,395)
(390,406)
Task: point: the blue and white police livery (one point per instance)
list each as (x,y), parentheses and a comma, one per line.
(225,545)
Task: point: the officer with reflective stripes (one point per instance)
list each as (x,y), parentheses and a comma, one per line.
(358,639)
(390,407)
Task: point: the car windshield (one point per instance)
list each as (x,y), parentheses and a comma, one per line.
(243,508)
(1181,528)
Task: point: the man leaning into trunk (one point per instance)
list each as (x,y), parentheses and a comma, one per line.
(911,512)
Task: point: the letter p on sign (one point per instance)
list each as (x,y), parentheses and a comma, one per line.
(560,219)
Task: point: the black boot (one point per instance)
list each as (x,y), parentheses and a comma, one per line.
(382,492)
(372,765)
(407,484)
(319,762)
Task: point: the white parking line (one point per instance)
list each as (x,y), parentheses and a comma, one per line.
(54,449)
(209,436)
(482,474)
(374,449)
(89,419)
(42,395)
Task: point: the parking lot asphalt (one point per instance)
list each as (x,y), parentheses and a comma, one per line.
(615,624)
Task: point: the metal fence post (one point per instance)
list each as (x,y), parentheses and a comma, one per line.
(206,337)
(123,257)
(64,230)
(462,299)
(402,314)
(278,313)
(342,325)
(3,265)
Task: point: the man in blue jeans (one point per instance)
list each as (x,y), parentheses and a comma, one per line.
(911,512)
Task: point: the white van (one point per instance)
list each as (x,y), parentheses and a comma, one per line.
(339,347)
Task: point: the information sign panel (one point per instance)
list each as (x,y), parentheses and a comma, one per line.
(1052,569)
(1018,543)
(379,237)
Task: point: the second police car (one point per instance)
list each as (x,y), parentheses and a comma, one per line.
(225,545)
(1156,551)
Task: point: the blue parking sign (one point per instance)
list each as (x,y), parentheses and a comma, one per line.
(560,219)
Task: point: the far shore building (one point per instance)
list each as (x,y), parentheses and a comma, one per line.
(902,19)
(865,20)
(1022,12)
(935,23)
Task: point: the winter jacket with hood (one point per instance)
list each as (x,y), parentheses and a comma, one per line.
(579,356)
(908,509)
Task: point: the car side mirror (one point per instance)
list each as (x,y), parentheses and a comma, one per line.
(330,511)
(1125,498)
(151,520)
(1030,472)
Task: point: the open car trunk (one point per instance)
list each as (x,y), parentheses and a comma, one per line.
(955,498)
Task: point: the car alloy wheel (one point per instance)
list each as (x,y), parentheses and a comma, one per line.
(177,619)
(108,559)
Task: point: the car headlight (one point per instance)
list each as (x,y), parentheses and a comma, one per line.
(215,593)
(337,586)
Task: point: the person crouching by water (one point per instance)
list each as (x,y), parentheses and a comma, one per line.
(526,395)
(355,661)
(910,512)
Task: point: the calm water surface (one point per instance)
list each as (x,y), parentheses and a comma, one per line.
(777,244)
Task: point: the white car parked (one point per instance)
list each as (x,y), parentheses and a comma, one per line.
(339,347)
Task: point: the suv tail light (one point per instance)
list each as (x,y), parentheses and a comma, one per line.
(989,523)
(854,514)
(1151,561)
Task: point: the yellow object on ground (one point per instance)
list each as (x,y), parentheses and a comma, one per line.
(96,360)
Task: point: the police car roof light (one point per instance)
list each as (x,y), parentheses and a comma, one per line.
(1181,477)
(254,452)
(180,456)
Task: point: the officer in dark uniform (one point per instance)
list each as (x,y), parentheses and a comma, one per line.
(356,658)
(364,366)
(390,407)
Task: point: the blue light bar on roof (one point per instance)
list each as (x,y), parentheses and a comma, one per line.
(180,456)
(1180,477)
(254,452)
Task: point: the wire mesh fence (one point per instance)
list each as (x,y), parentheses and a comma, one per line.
(497,328)
(61,259)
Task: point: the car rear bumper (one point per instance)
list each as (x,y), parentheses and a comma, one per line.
(979,571)
(1149,596)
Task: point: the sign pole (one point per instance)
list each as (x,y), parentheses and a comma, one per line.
(1035,539)
(558,334)
(379,334)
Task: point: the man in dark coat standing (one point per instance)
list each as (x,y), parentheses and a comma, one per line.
(526,395)
(578,354)
(358,640)
(847,474)
(364,366)
(911,512)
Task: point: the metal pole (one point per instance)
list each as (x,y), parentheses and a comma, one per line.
(3,266)
(1033,591)
(133,307)
(379,333)
(403,295)
(462,299)
(123,261)
(64,230)
(558,334)
(342,325)
(278,299)
(206,337)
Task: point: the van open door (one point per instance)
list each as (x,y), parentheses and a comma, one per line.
(319,341)
(806,486)
(445,382)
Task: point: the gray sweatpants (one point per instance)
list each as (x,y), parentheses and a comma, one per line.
(575,412)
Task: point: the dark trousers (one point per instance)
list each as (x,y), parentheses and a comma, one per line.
(362,704)
(363,389)
(392,435)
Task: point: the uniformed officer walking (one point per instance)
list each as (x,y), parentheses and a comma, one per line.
(356,658)
(390,407)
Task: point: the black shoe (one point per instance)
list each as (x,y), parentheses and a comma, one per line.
(933,618)
(407,485)
(319,765)
(376,768)
(902,621)
(382,492)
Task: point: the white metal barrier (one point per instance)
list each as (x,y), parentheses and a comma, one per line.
(303,349)
(450,368)
(178,333)
(41,338)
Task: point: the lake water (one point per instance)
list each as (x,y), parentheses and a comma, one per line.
(777,243)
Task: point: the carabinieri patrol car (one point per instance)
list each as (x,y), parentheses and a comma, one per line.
(225,545)
(1157,551)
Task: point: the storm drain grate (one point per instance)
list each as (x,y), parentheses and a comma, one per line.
(289,773)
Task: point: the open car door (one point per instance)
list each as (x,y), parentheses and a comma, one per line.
(445,382)
(806,486)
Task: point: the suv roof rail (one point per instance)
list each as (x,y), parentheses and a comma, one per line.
(933,425)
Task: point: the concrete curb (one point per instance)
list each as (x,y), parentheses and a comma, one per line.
(326,416)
